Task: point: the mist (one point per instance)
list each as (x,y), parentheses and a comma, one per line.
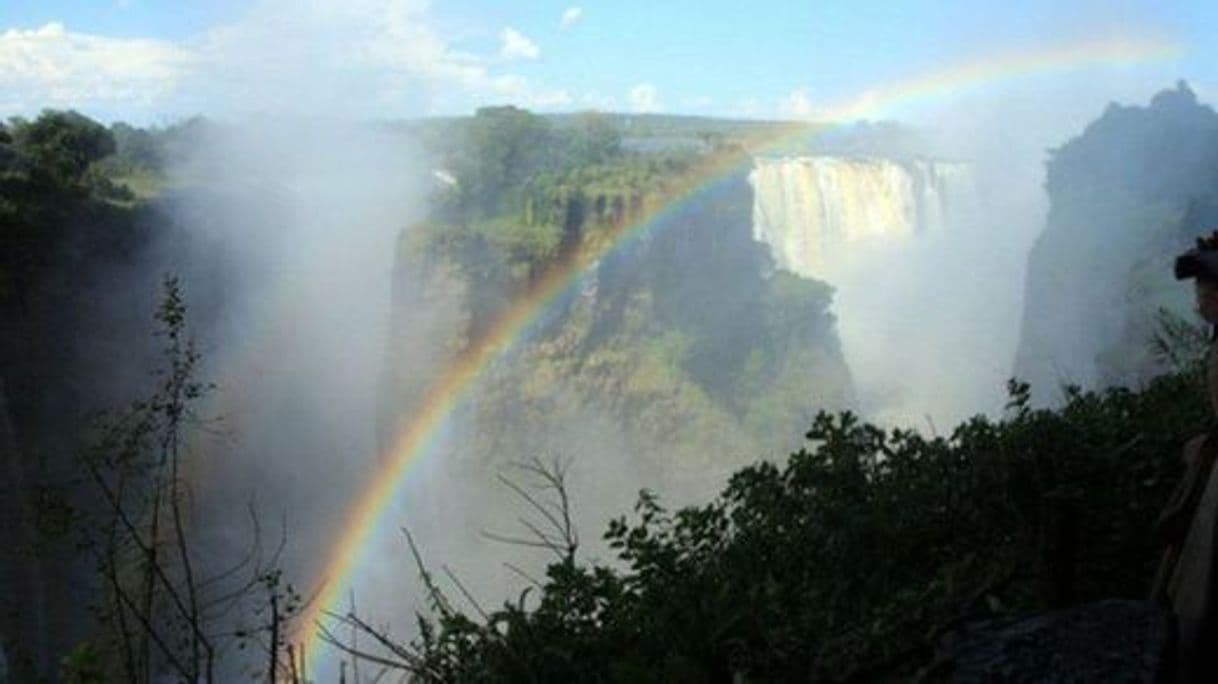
(310,213)
(294,209)
(931,325)
(301,220)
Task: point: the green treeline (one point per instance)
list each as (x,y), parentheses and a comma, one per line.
(49,185)
(524,189)
(844,562)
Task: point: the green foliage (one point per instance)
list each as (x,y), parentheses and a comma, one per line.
(844,561)
(167,607)
(136,149)
(660,359)
(502,146)
(794,305)
(136,169)
(525,245)
(594,139)
(679,334)
(61,145)
(502,149)
(528,193)
(54,200)
(85,664)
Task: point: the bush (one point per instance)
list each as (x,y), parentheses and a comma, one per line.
(844,562)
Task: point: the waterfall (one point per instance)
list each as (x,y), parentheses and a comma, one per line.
(812,210)
(926,306)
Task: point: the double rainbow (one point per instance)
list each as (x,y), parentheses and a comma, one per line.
(419,430)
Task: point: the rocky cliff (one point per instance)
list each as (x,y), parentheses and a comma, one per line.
(1125,197)
(681,341)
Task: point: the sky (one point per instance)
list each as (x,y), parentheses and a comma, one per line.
(152,62)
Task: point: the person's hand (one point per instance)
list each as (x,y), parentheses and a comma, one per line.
(1192,449)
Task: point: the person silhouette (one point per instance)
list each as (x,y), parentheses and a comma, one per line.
(1188,525)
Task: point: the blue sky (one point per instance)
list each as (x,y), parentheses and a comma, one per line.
(149,61)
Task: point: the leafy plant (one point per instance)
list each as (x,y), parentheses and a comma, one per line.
(843,562)
(166,609)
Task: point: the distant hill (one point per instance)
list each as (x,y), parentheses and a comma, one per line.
(652,132)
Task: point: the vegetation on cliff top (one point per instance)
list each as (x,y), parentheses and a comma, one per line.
(684,335)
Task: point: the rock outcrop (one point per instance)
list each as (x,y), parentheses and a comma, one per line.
(1125,196)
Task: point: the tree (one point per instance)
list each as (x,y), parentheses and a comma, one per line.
(165,609)
(842,564)
(8,155)
(503,147)
(594,139)
(61,145)
(136,148)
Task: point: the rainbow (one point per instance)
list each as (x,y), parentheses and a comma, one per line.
(418,432)
(974,74)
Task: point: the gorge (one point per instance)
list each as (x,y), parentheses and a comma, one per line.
(708,341)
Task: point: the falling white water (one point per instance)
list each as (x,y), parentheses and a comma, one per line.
(926,300)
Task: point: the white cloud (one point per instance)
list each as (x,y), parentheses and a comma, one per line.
(321,57)
(570,17)
(645,98)
(51,66)
(516,45)
(315,57)
(380,56)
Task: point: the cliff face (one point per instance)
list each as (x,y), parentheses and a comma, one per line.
(678,342)
(80,344)
(676,357)
(1125,197)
